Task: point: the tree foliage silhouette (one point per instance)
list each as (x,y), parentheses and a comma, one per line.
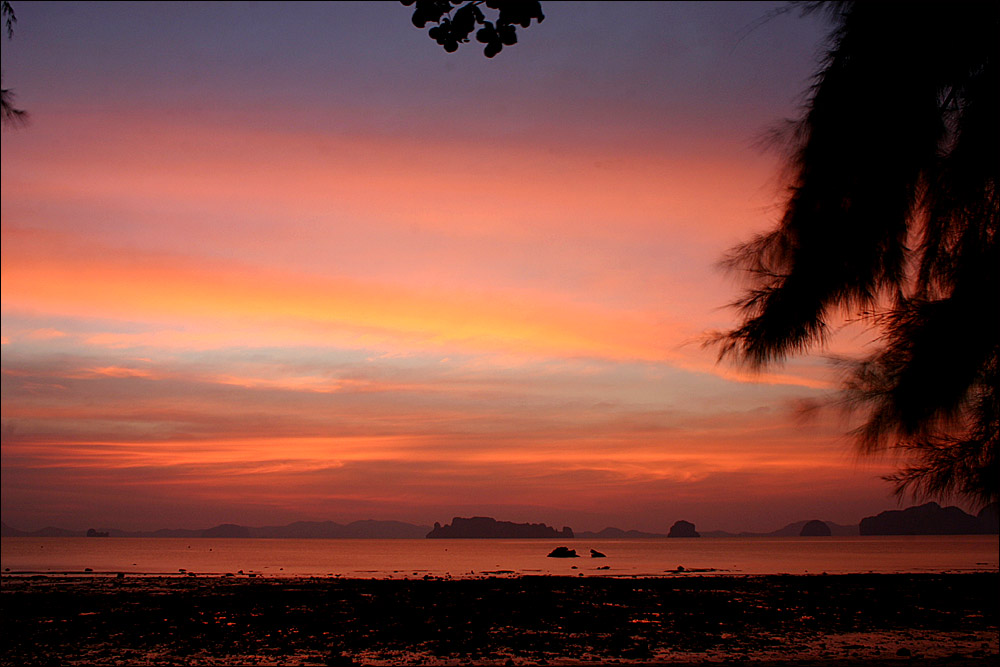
(9,114)
(892,215)
(453,29)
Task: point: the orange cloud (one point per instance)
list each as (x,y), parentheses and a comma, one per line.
(518,188)
(267,196)
(255,307)
(226,304)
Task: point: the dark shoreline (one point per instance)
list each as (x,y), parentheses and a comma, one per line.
(906,619)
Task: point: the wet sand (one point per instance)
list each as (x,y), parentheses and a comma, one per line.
(875,619)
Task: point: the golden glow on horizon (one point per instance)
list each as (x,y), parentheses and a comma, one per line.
(224,305)
(638,462)
(169,292)
(131,354)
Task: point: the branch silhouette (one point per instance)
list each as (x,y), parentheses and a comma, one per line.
(892,216)
(9,114)
(453,29)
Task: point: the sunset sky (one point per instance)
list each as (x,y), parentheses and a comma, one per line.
(267,262)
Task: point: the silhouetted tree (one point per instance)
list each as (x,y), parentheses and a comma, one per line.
(454,29)
(892,215)
(9,114)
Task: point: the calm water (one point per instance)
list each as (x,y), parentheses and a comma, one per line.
(464,558)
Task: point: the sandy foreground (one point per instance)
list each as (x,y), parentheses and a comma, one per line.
(904,620)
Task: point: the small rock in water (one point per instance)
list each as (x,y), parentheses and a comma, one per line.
(594,553)
(563,552)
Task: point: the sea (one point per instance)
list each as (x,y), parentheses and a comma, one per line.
(472,558)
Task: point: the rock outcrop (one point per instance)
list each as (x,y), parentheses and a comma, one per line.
(683,529)
(563,552)
(815,528)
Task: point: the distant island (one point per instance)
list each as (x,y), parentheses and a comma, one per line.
(931,519)
(792,530)
(484,527)
(927,519)
(683,528)
(815,528)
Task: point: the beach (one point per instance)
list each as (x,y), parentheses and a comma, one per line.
(105,619)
